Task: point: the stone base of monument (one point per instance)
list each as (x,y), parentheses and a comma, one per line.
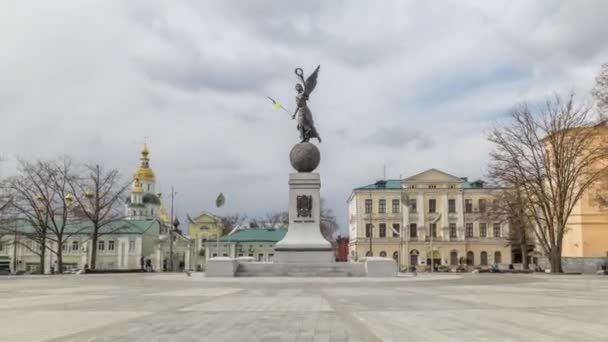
(303,251)
(365,267)
(221,267)
(380,267)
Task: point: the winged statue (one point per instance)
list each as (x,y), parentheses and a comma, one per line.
(306,125)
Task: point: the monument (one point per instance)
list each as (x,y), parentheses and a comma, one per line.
(304,241)
(303,251)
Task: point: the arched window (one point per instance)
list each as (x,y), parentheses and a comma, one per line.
(369,253)
(383,254)
(470,258)
(484,258)
(453,258)
(414,257)
(396,255)
(497,257)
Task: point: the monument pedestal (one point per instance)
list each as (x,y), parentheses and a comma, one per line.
(304,242)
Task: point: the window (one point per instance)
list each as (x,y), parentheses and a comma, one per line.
(483,230)
(470,258)
(432,204)
(215,254)
(396,205)
(451,206)
(496,230)
(260,256)
(412,187)
(497,258)
(413,230)
(368,230)
(368,206)
(270,256)
(412,205)
(484,258)
(64,247)
(469,230)
(111,245)
(451,187)
(101,245)
(396,230)
(453,230)
(468,206)
(74,246)
(453,258)
(383,254)
(224,254)
(382,230)
(482,205)
(382,206)
(432,186)
(131,245)
(433,230)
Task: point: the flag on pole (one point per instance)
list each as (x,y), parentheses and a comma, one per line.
(276,105)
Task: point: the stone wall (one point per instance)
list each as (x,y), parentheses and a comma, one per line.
(583,265)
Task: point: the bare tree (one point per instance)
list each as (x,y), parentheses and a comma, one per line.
(329,224)
(511,206)
(99,194)
(553,155)
(277,219)
(600,91)
(31,190)
(231,221)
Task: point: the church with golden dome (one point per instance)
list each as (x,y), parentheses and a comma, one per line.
(144,202)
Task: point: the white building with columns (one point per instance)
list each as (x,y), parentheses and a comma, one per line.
(430,217)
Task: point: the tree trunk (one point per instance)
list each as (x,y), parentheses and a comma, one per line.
(93,260)
(524,255)
(43,253)
(556,260)
(42,256)
(59,269)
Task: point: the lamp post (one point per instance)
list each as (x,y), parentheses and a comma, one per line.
(371,226)
(175,224)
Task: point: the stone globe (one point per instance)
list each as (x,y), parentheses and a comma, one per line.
(305,157)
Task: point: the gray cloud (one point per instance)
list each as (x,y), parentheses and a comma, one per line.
(399,137)
(403,83)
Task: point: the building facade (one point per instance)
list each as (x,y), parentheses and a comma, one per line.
(202,228)
(587,232)
(429,218)
(257,243)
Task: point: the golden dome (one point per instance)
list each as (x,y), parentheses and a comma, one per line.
(137,186)
(144,172)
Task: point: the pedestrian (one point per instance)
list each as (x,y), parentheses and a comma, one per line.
(141,262)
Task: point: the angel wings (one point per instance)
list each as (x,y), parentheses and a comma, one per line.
(311,82)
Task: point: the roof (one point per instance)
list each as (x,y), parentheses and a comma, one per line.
(256,235)
(83,226)
(390,184)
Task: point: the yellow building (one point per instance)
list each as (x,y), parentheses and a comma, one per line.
(204,227)
(587,234)
(443,214)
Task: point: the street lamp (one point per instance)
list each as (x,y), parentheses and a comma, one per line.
(175,224)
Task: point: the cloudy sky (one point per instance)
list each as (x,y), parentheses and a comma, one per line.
(407,84)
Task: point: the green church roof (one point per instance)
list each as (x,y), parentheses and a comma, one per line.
(256,234)
(83,226)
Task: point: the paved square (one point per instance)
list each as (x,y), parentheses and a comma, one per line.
(173,307)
